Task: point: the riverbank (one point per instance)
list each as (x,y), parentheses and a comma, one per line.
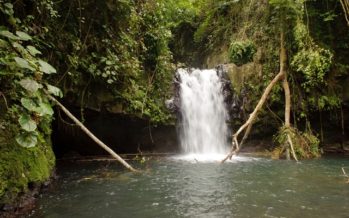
(25,202)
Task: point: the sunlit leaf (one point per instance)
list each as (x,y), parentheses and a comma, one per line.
(54,90)
(8,34)
(27,140)
(23,36)
(22,63)
(3,44)
(8,5)
(29,104)
(32,50)
(46,67)
(30,85)
(27,123)
(45,109)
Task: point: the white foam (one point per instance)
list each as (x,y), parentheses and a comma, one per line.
(214,157)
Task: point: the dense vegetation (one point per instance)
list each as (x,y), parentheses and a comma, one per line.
(316,42)
(121,56)
(110,55)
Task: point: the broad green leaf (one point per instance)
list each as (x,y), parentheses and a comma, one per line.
(46,67)
(8,5)
(29,104)
(27,123)
(30,85)
(22,63)
(21,50)
(45,109)
(8,34)
(23,36)
(27,140)
(32,50)
(3,44)
(54,90)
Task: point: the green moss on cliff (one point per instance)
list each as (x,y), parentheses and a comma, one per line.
(21,166)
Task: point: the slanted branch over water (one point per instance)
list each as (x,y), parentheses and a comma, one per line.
(91,135)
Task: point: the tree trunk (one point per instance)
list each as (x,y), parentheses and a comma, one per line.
(236,146)
(285,85)
(282,75)
(91,135)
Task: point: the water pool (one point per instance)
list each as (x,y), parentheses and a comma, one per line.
(246,187)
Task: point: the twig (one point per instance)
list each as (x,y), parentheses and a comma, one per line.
(150,134)
(64,121)
(3,96)
(345,7)
(345,174)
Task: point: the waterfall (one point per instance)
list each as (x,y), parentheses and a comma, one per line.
(203,129)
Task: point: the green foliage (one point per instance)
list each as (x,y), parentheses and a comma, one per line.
(316,41)
(241,52)
(314,64)
(219,20)
(311,60)
(28,103)
(26,155)
(125,52)
(20,166)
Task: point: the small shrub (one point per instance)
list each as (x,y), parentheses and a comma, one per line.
(241,52)
(306,144)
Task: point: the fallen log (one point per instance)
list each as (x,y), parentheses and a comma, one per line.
(91,135)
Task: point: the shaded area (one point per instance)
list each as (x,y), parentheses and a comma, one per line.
(122,133)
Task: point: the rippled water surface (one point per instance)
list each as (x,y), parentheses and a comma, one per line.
(247,187)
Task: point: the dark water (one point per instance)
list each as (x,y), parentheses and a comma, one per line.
(169,188)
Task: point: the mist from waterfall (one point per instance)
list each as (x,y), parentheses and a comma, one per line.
(203,129)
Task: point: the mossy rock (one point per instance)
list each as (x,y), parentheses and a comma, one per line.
(239,74)
(21,166)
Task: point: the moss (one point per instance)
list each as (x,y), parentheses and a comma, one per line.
(22,166)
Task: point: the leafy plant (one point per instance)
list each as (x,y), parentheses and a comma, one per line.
(306,144)
(29,106)
(241,52)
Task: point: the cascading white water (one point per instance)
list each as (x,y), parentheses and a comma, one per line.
(203,130)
